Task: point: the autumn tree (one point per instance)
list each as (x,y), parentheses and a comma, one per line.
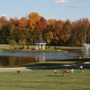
(57,32)
(52,22)
(86,24)
(22,31)
(42,24)
(78,33)
(14,21)
(1,25)
(48,35)
(33,21)
(23,22)
(3,21)
(66,31)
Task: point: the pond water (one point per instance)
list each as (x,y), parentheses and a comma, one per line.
(19,58)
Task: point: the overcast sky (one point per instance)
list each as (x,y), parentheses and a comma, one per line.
(49,9)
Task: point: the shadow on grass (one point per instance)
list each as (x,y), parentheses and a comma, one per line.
(59,64)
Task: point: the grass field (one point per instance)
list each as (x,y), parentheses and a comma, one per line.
(45,80)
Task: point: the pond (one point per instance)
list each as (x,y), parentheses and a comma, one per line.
(19,58)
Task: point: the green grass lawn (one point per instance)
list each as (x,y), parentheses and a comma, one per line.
(45,80)
(5,47)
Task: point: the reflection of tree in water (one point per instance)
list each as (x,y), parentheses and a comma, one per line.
(4,61)
(15,61)
(20,60)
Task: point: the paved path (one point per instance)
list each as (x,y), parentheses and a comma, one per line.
(14,69)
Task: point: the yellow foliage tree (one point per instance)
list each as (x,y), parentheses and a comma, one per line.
(33,21)
(23,22)
(52,22)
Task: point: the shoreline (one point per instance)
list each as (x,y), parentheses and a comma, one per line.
(86,65)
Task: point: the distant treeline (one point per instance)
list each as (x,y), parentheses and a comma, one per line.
(27,30)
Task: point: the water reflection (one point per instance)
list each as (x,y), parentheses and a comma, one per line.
(15,61)
(20,58)
(86,54)
(40,57)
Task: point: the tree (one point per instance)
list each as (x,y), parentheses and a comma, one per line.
(78,33)
(48,34)
(66,31)
(12,32)
(52,22)
(33,21)
(12,43)
(42,24)
(26,35)
(36,35)
(86,24)
(1,25)
(3,19)
(4,37)
(14,21)
(23,22)
(57,32)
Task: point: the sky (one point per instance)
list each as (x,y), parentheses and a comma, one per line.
(49,9)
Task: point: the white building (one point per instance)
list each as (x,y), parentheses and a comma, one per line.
(40,44)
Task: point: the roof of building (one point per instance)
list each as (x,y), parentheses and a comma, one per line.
(40,41)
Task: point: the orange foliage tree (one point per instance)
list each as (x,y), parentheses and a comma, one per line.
(23,22)
(33,21)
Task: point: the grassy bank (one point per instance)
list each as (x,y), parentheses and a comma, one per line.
(9,48)
(61,49)
(5,46)
(45,80)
